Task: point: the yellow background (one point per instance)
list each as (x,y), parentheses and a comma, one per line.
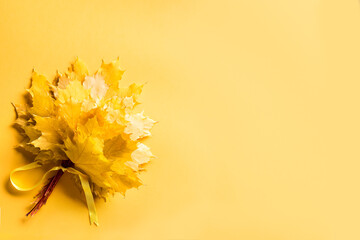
(258,106)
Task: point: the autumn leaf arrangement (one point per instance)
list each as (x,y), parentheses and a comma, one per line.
(86,125)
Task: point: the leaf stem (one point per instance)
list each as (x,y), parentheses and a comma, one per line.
(44,194)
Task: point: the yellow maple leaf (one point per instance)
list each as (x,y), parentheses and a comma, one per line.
(80,69)
(112,73)
(42,101)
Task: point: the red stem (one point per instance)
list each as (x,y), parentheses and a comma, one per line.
(45,192)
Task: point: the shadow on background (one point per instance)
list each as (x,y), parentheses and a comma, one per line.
(10,188)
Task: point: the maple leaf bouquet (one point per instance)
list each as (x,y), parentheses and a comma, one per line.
(84,124)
